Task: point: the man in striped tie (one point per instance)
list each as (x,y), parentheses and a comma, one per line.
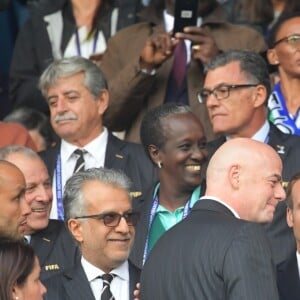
(99,215)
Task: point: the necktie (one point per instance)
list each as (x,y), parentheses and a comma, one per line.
(179,65)
(106,292)
(80,161)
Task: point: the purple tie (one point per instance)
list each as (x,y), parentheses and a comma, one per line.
(179,64)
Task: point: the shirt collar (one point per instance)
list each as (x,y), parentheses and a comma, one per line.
(67,149)
(262,135)
(92,272)
(194,198)
(223,203)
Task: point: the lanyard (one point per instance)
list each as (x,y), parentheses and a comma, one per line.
(78,46)
(59,194)
(153,211)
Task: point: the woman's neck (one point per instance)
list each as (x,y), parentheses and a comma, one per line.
(84,12)
(278,5)
(171,199)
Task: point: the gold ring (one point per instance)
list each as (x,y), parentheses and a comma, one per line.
(196,47)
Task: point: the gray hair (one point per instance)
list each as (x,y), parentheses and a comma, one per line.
(94,79)
(12,149)
(74,201)
(252,65)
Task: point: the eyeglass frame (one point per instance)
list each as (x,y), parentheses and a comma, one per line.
(120,216)
(229,88)
(287,39)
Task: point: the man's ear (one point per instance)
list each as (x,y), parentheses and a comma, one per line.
(272,57)
(103,101)
(289,217)
(260,95)
(75,228)
(234,176)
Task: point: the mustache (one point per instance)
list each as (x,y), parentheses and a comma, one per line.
(65,117)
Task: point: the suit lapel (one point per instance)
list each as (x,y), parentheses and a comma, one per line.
(76,284)
(134,278)
(288,277)
(277,141)
(114,156)
(43,242)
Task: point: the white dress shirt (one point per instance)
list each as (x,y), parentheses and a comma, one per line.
(94,157)
(298,262)
(119,286)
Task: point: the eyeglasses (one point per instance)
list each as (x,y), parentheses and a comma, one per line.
(221,91)
(113,219)
(293,40)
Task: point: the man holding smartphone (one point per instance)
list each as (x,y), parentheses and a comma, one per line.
(139,62)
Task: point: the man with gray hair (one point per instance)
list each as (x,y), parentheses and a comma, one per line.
(99,215)
(50,239)
(235,91)
(77,94)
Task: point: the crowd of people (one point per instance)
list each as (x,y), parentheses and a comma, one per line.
(138,163)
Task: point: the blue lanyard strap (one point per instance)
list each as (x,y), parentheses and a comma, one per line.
(153,212)
(78,46)
(59,194)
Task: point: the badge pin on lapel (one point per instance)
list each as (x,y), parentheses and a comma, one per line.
(280,149)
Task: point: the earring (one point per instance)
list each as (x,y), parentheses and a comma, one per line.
(159,164)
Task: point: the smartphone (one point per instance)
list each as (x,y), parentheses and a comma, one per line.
(185,14)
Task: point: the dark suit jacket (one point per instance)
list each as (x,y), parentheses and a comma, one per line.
(210,255)
(141,229)
(55,248)
(288,280)
(287,146)
(128,157)
(73,284)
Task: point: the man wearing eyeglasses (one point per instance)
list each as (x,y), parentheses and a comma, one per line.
(235,92)
(284,55)
(99,215)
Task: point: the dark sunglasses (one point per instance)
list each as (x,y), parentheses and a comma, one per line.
(113,219)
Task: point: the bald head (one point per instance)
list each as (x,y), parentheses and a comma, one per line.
(246,175)
(13,208)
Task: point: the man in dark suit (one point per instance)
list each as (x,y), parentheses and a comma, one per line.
(51,240)
(288,278)
(235,92)
(77,94)
(98,211)
(216,253)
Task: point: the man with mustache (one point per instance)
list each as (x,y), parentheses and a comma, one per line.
(99,215)
(77,95)
(13,207)
(50,239)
